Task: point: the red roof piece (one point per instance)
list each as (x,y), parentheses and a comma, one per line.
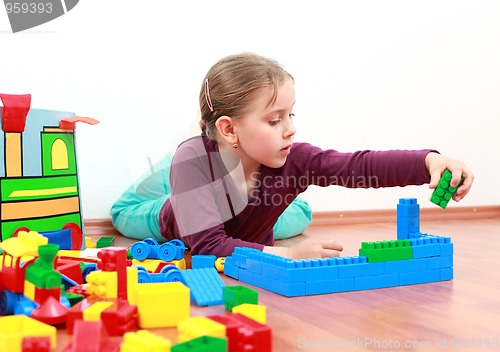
(70,122)
(15,111)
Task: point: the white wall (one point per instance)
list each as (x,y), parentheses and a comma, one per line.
(369,74)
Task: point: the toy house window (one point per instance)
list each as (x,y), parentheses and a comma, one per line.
(59,155)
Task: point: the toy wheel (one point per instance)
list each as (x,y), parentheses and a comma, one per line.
(143,277)
(151,241)
(180,249)
(172,274)
(24,306)
(167,252)
(140,250)
(8,300)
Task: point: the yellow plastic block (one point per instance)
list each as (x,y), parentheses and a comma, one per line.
(89,243)
(69,253)
(29,290)
(192,328)
(14,327)
(144,341)
(256,312)
(102,284)
(132,274)
(152,264)
(26,243)
(93,313)
(162,304)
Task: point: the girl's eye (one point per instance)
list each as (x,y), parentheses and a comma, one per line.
(274,122)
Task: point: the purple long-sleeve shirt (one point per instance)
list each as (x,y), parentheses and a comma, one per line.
(208,213)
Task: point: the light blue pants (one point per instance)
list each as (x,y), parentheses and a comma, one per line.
(135,214)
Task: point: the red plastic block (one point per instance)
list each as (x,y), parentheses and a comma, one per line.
(119,318)
(70,268)
(15,111)
(36,344)
(245,334)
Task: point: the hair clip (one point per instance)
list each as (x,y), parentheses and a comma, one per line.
(207,96)
(203,122)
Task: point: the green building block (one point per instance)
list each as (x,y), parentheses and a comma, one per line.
(443,192)
(386,251)
(235,295)
(41,273)
(202,344)
(107,241)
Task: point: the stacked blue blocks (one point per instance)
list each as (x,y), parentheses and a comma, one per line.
(432,261)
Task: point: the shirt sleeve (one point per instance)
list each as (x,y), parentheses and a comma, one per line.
(200,201)
(361,169)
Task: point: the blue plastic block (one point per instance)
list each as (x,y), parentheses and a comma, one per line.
(288,289)
(289,270)
(358,266)
(408,207)
(408,218)
(446,249)
(372,282)
(239,258)
(329,286)
(425,247)
(230,269)
(433,263)
(203,261)
(255,266)
(205,285)
(446,274)
(419,277)
(404,266)
(446,261)
(59,237)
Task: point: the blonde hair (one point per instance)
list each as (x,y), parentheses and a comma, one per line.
(232,84)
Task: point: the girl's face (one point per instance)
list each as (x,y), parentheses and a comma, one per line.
(265,134)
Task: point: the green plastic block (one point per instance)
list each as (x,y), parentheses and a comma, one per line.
(41,273)
(235,295)
(104,242)
(202,344)
(443,192)
(386,251)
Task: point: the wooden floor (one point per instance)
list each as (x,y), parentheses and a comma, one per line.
(458,315)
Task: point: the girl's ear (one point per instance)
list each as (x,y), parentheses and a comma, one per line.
(225,127)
